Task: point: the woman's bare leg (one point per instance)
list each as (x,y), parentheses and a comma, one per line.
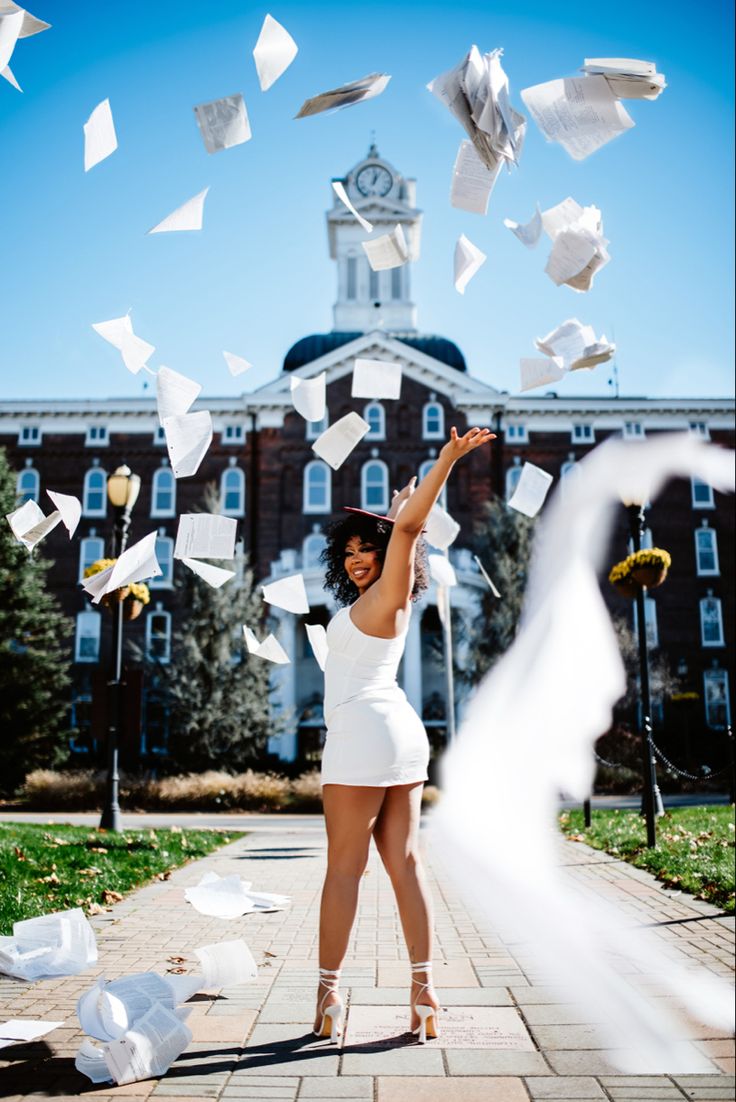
(350,816)
(397,837)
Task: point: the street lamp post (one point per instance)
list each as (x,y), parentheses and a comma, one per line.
(123,488)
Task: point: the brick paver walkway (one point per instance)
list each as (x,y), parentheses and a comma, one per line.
(255,1041)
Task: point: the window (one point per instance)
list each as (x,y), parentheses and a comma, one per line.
(517,434)
(90,550)
(582,434)
(433,421)
(159,436)
(316,428)
(351,282)
(165,557)
(699,428)
(28,486)
(396,289)
(87,640)
(163,493)
(375,415)
(717,704)
(317,487)
(706,551)
(424,469)
(232,492)
(29,434)
(374,486)
(97,436)
(373,286)
(158,635)
(95,493)
(650,619)
(513,474)
(233,434)
(633,430)
(312,548)
(702,495)
(711,622)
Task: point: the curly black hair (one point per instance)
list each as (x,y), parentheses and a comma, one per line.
(372,530)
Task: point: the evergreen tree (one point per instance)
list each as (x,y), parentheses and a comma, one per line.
(502,542)
(34,655)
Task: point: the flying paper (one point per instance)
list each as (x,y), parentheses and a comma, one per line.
(230,897)
(186,217)
(528,233)
(29,525)
(345,95)
(222,123)
(15,23)
(442,570)
(387,251)
(205,536)
(578,245)
(468,259)
(100,139)
(627,77)
(119,333)
(187,439)
(308,396)
(273,52)
(580,113)
(472,180)
(485,574)
(340,192)
(236,364)
(136,564)
(175,393)
(287,593)
(336,443)
(317,636)
(69,507)
(576,345)
(539,372)
(531,490)
(270,648)
(58,944)
(376,379)
(441,529)
(213,575)
(23,1030)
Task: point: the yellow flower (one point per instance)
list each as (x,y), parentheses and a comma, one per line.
(651,556)
(619,572)
(99,565)
(140,592)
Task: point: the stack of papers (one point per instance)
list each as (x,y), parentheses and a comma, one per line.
(206,536)
(137,564)
(581,113)
(477,93)
(578,245)
(58,944)
(119,333)
(345,95)
(273,52)
(390,250)
(231,897)
(627,78)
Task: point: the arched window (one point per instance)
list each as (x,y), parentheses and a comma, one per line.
(95,493)
(314,429)
(513,474)
(165,557)
(87,640)
(28,486)
(90,550)
(433,421)
(163,493)
(374,486)
(317,487)
(232,492)
(158,635)
(424,470)
(312,548)
(375,415)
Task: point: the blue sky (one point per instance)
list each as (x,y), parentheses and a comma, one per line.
(258,276)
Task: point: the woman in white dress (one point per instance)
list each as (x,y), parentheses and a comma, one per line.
(376,752)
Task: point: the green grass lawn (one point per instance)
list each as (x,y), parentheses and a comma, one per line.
(694,852)
(52,868)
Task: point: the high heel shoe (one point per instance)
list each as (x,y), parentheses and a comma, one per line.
(331,1025)
(427,1028)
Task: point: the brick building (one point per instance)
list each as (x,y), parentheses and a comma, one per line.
(268,477)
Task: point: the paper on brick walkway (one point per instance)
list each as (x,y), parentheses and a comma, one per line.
(231,897)
(58,944)
(19,1030)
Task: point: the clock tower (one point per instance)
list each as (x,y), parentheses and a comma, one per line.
(366,299)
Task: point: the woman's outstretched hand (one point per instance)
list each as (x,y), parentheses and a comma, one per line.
(458,446)
(400,498)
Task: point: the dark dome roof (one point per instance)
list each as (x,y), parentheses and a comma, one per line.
(319,344)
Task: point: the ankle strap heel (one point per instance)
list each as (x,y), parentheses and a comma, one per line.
(427,1015)
(331,1025)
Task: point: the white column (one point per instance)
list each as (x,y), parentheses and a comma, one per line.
(283,680)
(413,662)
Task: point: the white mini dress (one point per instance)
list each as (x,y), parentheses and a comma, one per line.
(374,736)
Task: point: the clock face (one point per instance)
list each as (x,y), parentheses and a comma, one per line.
(373,180)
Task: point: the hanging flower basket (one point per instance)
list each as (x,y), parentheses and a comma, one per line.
(649,568)
(132,607)
(134,596)
(622,581)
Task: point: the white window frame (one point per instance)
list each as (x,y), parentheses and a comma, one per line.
(633,430)
(699,428)
(307,505)
(313,538)
(167,510)
(429,433)
(582,433)
(232,434)
(314,429)
(713,549)
(86,510)
(647,541)
(374,507)
(35,478)
(706,503)
(158,612)
(86,558)
(716,603)
(88,618)
(379,433)
(159,435)
(516,434)
(716,674)
(165,558)
(101,441)
(230,511)
(424,469)
(30,436)
(511,480)
(650,620)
